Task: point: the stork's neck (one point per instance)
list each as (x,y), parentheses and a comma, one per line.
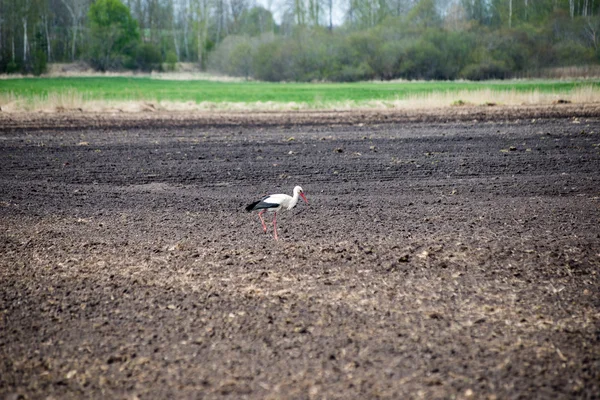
(294,200)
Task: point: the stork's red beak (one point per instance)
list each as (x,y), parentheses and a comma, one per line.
(304,197)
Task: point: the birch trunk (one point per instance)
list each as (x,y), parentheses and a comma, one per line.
(74,44)
(185,31)
(201,8)
(48,47)
(176,43)
(74,27)
(25,42)
(572,8)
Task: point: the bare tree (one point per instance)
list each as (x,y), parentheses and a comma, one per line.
(185,17)
(173,29)
(366,13)
(399,7)
(77,10)
(200,14)
(25,8)
(237,8)
(297,10)
(455,18)
(591,29)
(314,12)
(47,32)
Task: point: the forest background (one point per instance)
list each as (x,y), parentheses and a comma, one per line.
(305,40)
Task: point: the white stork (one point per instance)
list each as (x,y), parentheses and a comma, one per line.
(274,203)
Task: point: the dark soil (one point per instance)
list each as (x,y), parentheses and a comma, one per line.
(435,259)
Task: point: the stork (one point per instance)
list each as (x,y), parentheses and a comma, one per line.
(274,203)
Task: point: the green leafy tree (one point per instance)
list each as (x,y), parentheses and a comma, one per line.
(114,34)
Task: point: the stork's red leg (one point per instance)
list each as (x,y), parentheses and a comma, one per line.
(275,225)
(262,221)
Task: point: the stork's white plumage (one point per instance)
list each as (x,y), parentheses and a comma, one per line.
(274,203)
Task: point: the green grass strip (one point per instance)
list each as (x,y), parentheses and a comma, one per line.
(132,88)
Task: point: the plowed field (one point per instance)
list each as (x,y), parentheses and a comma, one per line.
(452,257)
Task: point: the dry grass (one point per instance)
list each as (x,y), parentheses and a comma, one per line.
(182,72)
(583,95)
(77,101)
(53,102)
(573,72)
(194,76)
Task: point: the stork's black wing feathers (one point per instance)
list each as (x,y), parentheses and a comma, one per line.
(260,205)
(250,207)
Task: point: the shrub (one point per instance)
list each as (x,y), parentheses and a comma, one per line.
(422,61)
(269,64)
(351,73)
(241,59)
(12,67)
(573,53)
(39,62)
(491,69)
(148,57)
(234,56)
(171,61)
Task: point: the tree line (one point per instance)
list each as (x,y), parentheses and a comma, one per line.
(338,40)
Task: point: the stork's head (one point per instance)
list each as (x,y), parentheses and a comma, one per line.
(300,191)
